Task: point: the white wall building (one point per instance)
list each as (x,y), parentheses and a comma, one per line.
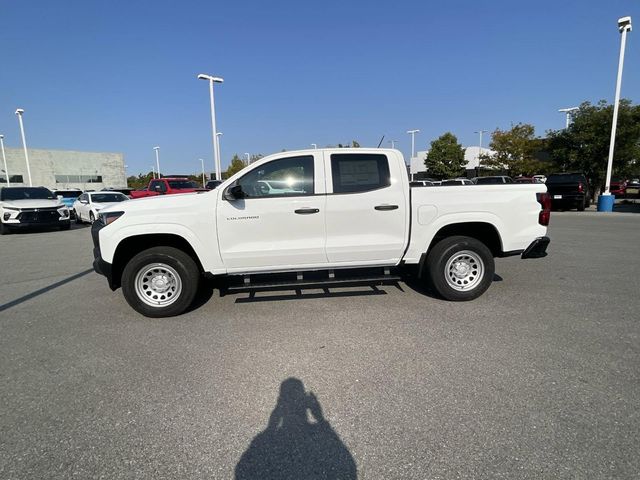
(472,156)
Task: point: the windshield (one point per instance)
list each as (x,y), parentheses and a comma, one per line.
(178,184)
(68,193)
(108,197)
(565,178)
(26,193)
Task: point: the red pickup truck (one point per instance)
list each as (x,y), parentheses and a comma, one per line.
(167,186)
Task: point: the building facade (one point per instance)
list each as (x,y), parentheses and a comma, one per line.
(59,169)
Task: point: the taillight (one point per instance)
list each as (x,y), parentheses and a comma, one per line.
(544,199)
(580,188)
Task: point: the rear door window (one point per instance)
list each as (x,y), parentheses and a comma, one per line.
(359,172)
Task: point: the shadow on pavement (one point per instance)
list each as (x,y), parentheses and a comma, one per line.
(46,289)
(300,295)
(297,443)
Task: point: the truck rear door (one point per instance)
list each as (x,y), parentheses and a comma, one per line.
(367,208)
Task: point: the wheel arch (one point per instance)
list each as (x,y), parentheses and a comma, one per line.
(131,246)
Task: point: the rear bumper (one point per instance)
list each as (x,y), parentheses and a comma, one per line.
(537,249)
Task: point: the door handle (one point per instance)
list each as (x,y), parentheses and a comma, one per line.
(386,207)
(306,211)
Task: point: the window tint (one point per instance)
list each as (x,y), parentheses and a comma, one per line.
(181,184)
(489,180)
(565,177)
(158,183)
(285,177)
(26,193)
(359,172)
(108,197)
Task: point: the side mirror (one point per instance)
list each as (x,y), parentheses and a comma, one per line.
(234,192)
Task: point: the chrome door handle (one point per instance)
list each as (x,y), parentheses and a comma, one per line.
(386,207)
(306,211)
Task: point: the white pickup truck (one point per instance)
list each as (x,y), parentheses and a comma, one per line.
(321,217)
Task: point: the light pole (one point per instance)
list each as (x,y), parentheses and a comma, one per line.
(569,111)
(218,135)
(19,113)
(4,158)
(606,201)
(480,147)
(216,146)
(153,171)
(314,145)
(203,179)
(248,158)
(157,149)
(413,141)
(393,143)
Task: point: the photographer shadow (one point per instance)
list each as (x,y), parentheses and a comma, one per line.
(297,443)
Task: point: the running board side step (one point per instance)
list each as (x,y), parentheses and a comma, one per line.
(315,283)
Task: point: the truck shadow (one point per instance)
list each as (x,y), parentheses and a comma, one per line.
(297,443)
(299,294)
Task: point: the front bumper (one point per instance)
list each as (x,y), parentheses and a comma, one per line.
(537,249)
(99,265)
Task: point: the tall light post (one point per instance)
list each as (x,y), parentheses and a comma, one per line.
(606,201)
(393,143)
(4,158)
(203,179)
(218,135)
(157,149)
(153,171)
(413,141)
(314,145)
(481,132)
(216,146)
(569,111)
(248,158)
(19,113)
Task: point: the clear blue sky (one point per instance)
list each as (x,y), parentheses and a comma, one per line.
(121,75)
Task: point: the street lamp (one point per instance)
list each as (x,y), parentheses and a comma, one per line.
(157,149)
(4,158)
(314,145)
(203,179)
(216,146)
(19,113)
(480,147)
(569,111)
(153,171)
(413,141)
(606,201)
(393,143)
(248,158)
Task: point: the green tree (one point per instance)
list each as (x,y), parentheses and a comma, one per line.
(516,150)
(446,157)
(139,181)
(236,165)
(584,146)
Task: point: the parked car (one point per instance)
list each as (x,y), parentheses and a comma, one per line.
(88,205)
(618,188)
(68,197)
(569,190)
(421,183)
(526,180)
(456,181)
(167,186)
(632,189)
(540,178)
(124,190)
(159,250)
(213,184)
(492,180)
(28,207)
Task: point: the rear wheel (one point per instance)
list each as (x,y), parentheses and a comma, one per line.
(581,205)
(460,268)
(160,282)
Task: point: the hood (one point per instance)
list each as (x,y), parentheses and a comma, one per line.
(160,203)
(32,203)
(101,205)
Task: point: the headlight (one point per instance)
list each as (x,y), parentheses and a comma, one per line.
(110,217)
(64,212)
(11,208)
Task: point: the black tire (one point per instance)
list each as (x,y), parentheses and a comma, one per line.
(78,221)
(92,218)
(4,230)
(444,251)
(587,202)
(185,268)
(581,205)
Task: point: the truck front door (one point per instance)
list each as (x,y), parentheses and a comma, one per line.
(278,219)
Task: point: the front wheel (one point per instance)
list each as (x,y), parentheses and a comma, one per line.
(160,282)
(460,268)
(92,217)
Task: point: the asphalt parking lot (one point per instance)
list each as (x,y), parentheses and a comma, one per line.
(539,378)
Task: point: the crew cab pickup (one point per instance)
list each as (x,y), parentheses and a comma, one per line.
(166,186)
(569,190)
(322,217)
